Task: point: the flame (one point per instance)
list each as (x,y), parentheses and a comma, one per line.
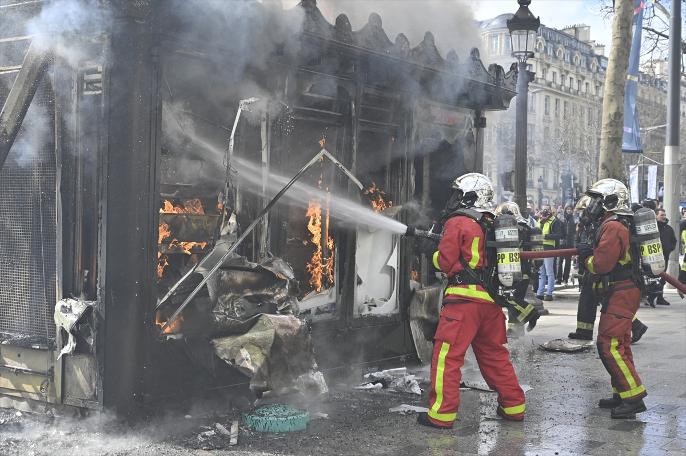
(377,198)
(191,206)
(321,269)
(174,327)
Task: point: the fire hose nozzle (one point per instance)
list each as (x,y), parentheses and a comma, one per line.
(414,231)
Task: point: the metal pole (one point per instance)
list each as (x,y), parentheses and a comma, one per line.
(520,135)
(672,158)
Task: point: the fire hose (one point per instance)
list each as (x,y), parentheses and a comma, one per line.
(526,255)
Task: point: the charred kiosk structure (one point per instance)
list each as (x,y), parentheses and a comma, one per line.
(114,161)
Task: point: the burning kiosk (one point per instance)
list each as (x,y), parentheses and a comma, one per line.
(116,160)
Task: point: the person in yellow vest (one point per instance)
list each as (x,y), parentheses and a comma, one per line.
(551,228)
(682,271)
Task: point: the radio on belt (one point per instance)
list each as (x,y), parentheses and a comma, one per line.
(649,244)
(507,250)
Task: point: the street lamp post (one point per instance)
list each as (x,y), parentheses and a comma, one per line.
(523,31)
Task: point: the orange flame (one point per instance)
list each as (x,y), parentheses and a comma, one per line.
(377,198)
(174,327)
(320,269)
(191,206)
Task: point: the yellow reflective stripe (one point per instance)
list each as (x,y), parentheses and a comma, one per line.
(515,409)
(523,313)
(589,265)
(443,416)
(582,325)
(475,253)
(632,392)
(622,365)
(438,387)
(634,318)
(435,259)
(470,292)
(627,258)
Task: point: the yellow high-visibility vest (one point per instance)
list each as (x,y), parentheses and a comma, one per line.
(545,229)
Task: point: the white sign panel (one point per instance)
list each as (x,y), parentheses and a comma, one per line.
(652,182)
(633,185)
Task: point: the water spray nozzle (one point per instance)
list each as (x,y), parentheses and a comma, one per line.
(416,232)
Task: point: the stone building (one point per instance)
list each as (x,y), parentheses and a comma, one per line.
(565,103)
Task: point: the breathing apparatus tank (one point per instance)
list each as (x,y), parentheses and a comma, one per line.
(649,244)
(536,244)
(507,250)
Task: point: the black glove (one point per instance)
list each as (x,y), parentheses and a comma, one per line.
(585,251)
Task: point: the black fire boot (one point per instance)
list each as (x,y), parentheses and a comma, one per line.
(650,301)
(661,301)
(637,330)
(548,297)
(627,410)
(581,334)
(423,419)
(610,402)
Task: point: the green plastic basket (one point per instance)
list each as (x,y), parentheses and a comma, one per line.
(277,418)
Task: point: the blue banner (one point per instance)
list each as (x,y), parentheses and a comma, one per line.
(631,138)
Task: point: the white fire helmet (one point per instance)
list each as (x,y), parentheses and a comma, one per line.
(582,203)
(510,207)
(611,195)
(477,191)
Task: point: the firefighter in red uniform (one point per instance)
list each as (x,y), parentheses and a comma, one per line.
(616,277)
(469,315)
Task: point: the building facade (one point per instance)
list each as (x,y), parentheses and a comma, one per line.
(565,116)
(565,105)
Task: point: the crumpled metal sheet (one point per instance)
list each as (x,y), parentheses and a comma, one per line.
(276,353)
(242,290)
(566,345)
(68,312)
(425,306)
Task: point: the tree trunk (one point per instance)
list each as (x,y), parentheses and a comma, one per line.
(611,164)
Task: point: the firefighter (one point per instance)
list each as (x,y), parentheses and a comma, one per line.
(515,328)
(469,315)
(615,274)
(586,309)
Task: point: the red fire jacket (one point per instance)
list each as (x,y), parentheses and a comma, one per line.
(462,238)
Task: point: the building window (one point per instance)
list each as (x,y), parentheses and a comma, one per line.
(508,46)
(588,88)
(589,116)
(571,82)
(565,112)
(546,105)
(562,80)
(546,135)
(494,44)
(557,107)
(544,73)
(578,85)
(554,77)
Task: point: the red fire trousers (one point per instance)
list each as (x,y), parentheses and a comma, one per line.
(614,342)
(481,325)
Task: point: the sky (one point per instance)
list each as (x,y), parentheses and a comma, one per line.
(555,13)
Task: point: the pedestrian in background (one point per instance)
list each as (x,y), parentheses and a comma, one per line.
(669,243)
(552,234)
(564,264)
